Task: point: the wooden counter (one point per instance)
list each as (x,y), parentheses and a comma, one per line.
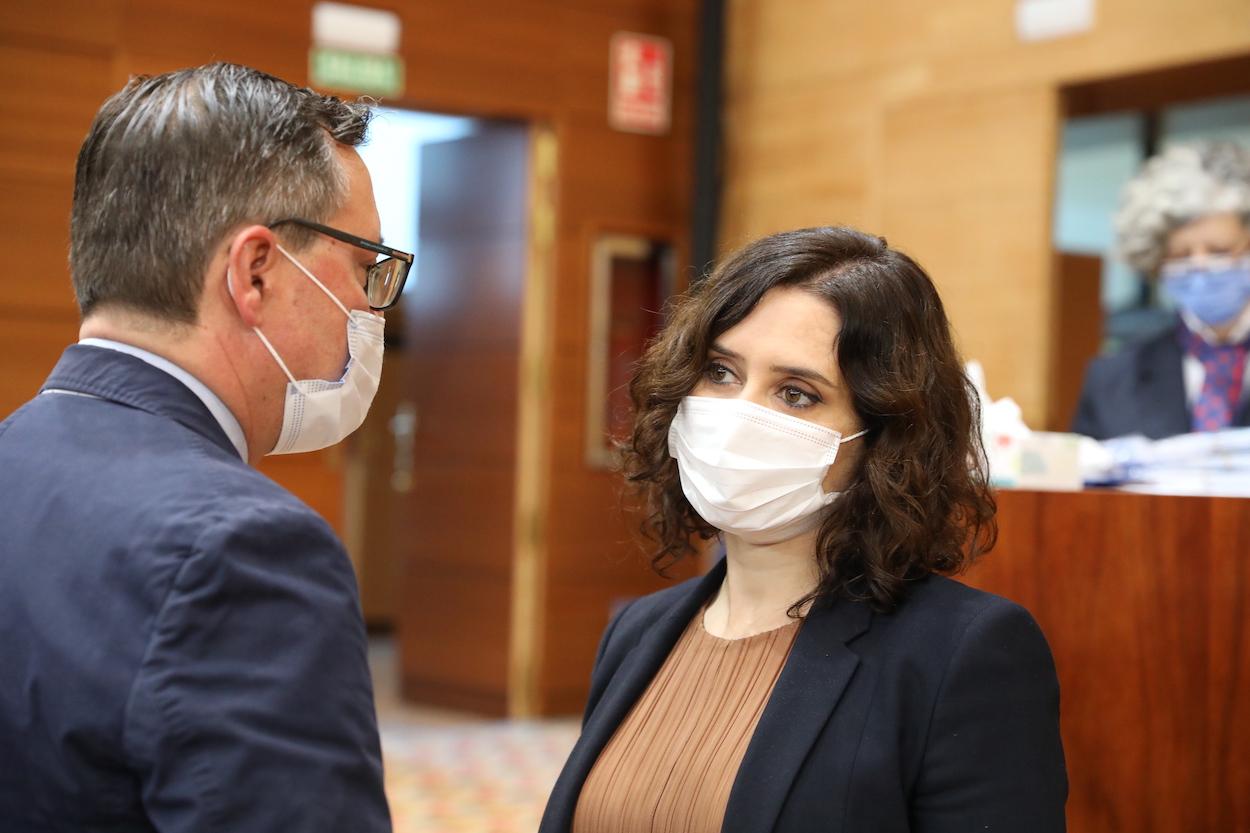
(1144,601)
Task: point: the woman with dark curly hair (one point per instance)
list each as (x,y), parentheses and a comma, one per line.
(806,404)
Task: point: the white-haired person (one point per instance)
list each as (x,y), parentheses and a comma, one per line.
(1184,221)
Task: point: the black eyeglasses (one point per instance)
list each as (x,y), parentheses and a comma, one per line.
(386,277)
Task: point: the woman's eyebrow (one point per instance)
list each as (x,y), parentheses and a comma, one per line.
(802,373)
(789,370)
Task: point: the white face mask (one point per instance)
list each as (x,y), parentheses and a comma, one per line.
(316,413)
(751,471)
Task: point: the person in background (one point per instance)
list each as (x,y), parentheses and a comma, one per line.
(183,644)
(1185,221)
(806,404)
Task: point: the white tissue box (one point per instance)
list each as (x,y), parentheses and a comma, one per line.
(1037,460)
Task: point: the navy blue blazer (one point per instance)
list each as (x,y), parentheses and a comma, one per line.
(940,717)
(1139,390)
(183,648)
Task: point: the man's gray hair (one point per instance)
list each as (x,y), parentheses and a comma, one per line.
(1180,185)
(174,162)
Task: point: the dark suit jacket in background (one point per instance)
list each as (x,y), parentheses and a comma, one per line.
(183,648)
(1139,390)
(940,717)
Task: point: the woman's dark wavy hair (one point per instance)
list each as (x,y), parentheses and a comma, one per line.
(918,502)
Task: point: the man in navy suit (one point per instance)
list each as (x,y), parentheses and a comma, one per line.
(1185,221)
(183,644)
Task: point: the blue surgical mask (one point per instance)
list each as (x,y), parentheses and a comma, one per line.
(1212,291)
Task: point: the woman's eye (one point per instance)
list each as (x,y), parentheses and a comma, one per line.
(718,374)
(797,397)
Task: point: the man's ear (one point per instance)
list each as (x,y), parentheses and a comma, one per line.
(250,274)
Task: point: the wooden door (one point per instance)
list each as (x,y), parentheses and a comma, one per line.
(462,348)
(1077,331)
(379,481)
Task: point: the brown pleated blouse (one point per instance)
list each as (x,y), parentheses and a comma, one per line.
(670,766)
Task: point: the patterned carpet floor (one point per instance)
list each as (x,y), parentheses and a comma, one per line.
(473,778)
(454,773)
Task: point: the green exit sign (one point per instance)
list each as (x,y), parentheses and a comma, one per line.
(359,72)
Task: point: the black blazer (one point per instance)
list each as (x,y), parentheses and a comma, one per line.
(942,716)
(181,645)
(1139,390)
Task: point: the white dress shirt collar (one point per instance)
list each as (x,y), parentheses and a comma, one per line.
(1236,335)
(227,421)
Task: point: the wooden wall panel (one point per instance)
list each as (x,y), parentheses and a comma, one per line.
(162,35)
(961,168)
(55,70)
(451,653)
(63,25)
(825,99)
(29,348)
(34,232)
(51,103)
(532,58)
(1155,89)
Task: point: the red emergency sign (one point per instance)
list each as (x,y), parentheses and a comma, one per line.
(641,83)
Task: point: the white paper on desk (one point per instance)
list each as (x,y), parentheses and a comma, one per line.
(1207,463)
(1187,481)
(1227,449)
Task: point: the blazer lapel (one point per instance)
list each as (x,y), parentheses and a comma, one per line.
(817,672)
(1160,390)
(623,690)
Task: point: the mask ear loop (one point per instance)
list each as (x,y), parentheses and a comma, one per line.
(265,341)
(329,295)
(313,278)
(832,453)
(278,359)
(853,436)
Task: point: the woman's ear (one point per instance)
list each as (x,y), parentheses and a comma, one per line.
(250,277)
